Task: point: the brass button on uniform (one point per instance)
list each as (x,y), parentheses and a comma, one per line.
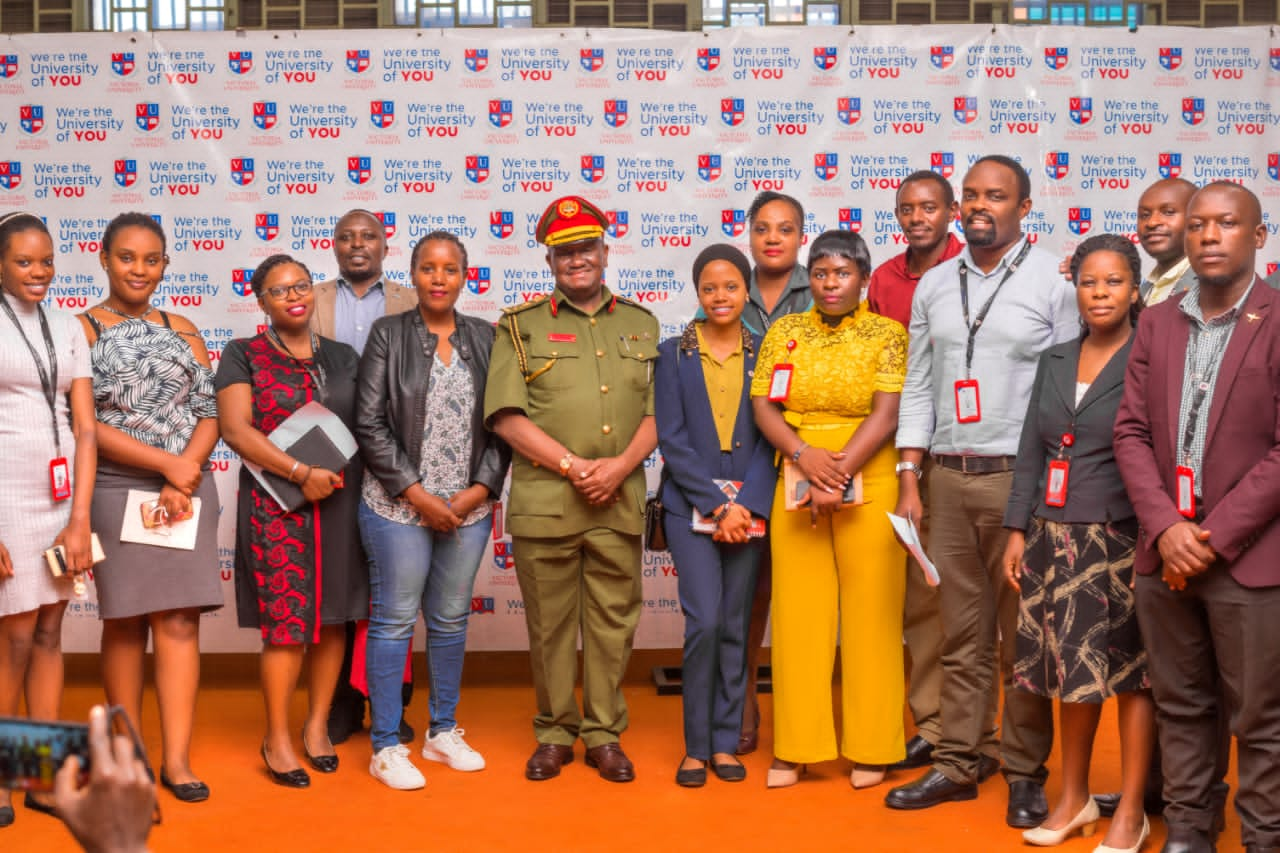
(599,353)
(593,321)
(556,352)
(604,389)
(606,429)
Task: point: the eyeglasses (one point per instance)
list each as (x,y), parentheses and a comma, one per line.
(302,288)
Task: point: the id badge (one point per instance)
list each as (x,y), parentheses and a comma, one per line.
(60,479)
(1186,483)
(780,384)
(968,405)
(1055,485)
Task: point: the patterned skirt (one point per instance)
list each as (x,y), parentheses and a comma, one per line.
(1078,636)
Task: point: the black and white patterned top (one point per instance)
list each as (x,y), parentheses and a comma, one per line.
(148,384)
(446,446)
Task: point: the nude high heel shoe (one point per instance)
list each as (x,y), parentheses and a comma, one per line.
(1142,839)
(866,775)
(1086,821)
(785,777)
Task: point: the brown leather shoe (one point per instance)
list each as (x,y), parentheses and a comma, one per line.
(546,761)
(612,762)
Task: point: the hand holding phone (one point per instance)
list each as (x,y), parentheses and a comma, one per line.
(116,809)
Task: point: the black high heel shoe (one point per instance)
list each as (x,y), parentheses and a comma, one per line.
(187,792)
(322,763)
(293,779)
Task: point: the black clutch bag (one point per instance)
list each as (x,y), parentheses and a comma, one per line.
(655,537)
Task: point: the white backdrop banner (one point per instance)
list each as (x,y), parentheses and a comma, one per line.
(248,144)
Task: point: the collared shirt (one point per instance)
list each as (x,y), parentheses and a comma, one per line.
(1158,289)
(892,285)
(724,387)
(1034,310)
(1205,348)
(795,298)
(353,315)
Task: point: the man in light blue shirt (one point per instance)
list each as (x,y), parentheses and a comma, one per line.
(978,325)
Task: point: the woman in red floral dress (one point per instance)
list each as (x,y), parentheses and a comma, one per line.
(300,575)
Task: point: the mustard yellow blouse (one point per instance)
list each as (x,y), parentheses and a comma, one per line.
(724,387)
(837,369)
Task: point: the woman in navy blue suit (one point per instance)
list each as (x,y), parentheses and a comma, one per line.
(708,437)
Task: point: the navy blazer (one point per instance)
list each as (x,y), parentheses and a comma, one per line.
(689,441)
(1095,490)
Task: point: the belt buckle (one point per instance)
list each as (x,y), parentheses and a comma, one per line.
(964,465)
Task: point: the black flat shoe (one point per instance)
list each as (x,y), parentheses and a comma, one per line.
(35,805)
(729,771)
(6,816)
(293,779)
(694,777)
(187,792)
(322,763)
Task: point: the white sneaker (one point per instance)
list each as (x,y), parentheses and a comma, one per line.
(449,748)
(391,766)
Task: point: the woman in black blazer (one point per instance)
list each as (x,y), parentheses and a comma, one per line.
(1070,552)
(707,434)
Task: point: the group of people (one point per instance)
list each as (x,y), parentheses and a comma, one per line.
(1100,502)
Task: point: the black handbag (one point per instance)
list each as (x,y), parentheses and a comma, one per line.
(655,537)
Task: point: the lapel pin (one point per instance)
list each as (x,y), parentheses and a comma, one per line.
(1252,317)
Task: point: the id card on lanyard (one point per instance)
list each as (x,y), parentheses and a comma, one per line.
(968,398)
(1055,483)
(1185,474)
(59,469)
(780,381)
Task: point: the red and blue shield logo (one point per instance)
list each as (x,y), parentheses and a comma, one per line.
(1272,266)
(1193,111)
(850,219)
(826,165)
(615,112)
(147,116)
(242,170)
(709,167)
(10,174)
(1080,110)
(481,604)
(359,170)
(826,57)
(240,61)
(1275,59)
(499,112)
(502,224)
(943,162)
(1170,58)
(478,280)
(591,58)
(1056,58)
(242,281)
(8,65)
(122,64)
(849,110)
(1169,164)
(476,58)
(733,222)
(266,226)
(943,56)
(591,167)
(31,118)
(382,114)
(733,111)
(708,58)
(264,114)
(388,220)
(504,558)
(1079,220)
(1057,164)
(965,109)
(357,61)
(619,223)
(126,173)
(1273,165)
(477,168)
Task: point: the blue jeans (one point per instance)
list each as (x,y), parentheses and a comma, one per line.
(413,567)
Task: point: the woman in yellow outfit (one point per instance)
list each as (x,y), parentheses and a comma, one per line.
(825,394)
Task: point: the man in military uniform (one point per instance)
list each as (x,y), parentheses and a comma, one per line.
(570,388)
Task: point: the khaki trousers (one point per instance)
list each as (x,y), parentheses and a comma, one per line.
(922,632)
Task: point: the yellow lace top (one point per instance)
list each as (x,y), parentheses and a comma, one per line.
(837,369)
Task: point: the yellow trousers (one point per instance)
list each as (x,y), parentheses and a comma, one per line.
(842,580)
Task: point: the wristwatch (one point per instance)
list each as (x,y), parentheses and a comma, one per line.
(566,462)
(909,466)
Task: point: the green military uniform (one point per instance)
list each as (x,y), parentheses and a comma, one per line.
(587,381)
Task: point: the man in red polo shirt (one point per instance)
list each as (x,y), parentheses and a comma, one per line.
(925,207)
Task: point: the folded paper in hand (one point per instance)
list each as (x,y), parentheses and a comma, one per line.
(179,534)
(906,530)
(730,489)
(314,436)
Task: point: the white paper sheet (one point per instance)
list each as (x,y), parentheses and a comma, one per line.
(906,530)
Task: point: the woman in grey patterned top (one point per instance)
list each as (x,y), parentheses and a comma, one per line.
(157,425)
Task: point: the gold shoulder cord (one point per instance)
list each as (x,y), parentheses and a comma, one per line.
(513,326)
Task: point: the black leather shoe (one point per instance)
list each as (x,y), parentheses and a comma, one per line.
(1027,806)
(988,766)
(929,790)
(611,762)
(694,777)
(919,754)
(1107,803)
(292,779)
(1187,841)
(729,771)
(35,805)
(546,761)
(6,816)
(322,763)
(187,792)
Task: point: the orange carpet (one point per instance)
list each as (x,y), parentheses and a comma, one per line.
(496,809)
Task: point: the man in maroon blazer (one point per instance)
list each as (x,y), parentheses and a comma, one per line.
(1198,443)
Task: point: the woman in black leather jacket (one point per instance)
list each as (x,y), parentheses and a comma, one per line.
(432,475)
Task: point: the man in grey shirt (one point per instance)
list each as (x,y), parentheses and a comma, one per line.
(978,325)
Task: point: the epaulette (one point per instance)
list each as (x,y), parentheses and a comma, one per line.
(525,306)
(624,300)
